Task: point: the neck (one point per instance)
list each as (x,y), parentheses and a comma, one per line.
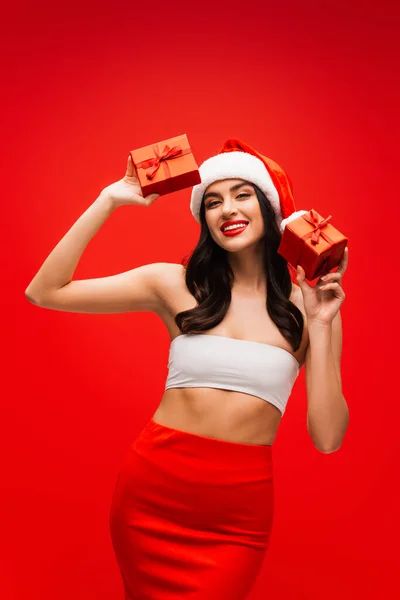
(248,270)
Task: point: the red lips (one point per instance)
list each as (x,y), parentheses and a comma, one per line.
(228,223)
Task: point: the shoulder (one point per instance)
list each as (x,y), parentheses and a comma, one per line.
(167,277)
(166,274)
(170,287)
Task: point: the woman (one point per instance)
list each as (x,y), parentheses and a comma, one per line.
(192,508)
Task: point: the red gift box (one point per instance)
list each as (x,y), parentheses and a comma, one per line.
(313,243)
(166,167)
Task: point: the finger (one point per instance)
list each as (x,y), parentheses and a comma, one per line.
(151,197)
(331,276)
(330,286)
(344,262)
(130,168)
(300,276)
(341,269)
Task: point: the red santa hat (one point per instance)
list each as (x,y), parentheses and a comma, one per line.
(238,160)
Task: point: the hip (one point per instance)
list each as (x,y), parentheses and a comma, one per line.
(191,515)
(199,483)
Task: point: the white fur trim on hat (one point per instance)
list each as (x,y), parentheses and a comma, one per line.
(234,165)
(292,217)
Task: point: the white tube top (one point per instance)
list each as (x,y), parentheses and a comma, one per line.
(214,361)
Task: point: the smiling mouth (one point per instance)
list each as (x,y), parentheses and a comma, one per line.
(235,230)
(233,224)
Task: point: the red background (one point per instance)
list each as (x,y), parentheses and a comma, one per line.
(315,86)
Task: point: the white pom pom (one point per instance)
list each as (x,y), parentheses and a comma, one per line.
(292,217)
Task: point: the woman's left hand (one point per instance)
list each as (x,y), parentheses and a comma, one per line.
(322,302)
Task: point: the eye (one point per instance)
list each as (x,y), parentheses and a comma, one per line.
(242,195)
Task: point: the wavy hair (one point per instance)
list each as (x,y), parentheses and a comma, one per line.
(209,278)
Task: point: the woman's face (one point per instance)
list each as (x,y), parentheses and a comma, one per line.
(233,200)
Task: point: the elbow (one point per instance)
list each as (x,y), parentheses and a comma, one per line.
(30,298)
(330,443)
(329,450)
(326,448)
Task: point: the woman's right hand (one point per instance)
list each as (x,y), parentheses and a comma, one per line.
(127,190)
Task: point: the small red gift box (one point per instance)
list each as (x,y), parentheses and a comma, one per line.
(166,167)
(313,243)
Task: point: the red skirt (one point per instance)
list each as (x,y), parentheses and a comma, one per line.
(191,516)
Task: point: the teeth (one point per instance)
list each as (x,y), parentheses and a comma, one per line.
(234,226)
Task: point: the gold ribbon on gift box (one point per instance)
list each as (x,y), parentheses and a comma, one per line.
(162,158)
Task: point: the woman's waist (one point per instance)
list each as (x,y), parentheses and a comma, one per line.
(226,415)
(177,457)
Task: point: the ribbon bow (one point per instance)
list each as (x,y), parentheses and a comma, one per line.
(153,164)
(317,225)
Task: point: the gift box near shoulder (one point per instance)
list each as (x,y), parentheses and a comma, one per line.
(312,242)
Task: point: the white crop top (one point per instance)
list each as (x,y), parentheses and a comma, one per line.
(255,368)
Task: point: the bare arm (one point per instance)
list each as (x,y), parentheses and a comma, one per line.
(59,267)
(137,289)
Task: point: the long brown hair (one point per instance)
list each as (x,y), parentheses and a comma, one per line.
(209,278)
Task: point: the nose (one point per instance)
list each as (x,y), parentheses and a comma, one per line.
(229,208)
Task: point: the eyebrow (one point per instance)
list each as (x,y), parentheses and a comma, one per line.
(218,195)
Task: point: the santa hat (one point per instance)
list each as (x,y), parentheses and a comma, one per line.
(238,160)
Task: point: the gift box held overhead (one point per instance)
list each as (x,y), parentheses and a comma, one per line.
(313,243)
(166,166)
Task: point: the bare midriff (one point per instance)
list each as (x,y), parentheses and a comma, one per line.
(222,414)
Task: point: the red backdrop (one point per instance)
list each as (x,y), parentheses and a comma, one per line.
(312,85)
